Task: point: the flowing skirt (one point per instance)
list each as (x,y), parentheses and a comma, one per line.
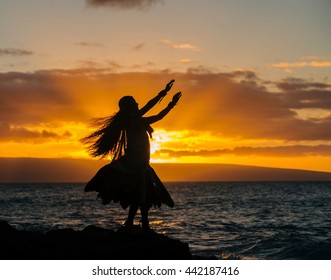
(129,185)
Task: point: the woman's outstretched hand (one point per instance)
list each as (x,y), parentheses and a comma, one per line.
(169,85)
(176,97)
(164,92)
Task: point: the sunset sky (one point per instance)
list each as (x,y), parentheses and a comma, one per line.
(255,77)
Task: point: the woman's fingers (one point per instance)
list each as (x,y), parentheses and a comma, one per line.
(176,97)
(169,85)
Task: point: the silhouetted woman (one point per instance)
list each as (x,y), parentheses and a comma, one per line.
(129,179)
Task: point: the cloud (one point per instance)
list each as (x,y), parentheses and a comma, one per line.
(91,44)
(293,84)
(15,52)
(123,4)
(301,94)
(22,134)
(311,57)
(230,105)
(199,70)
(274,151)
(34,97)
(138,47)
(237,104)
(186,61)
(145,65)
(184,46)
(91,67)
(286,65)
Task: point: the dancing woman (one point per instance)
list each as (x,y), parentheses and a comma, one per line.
(129,179)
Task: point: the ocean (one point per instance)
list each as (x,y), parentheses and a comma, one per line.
(228,220)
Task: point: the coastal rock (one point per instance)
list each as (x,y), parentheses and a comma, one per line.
(92,243)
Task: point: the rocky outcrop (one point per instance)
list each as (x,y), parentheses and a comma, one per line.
(91,243)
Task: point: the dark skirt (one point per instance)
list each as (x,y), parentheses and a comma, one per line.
(141,186)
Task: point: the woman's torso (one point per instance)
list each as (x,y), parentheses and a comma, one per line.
(137,146)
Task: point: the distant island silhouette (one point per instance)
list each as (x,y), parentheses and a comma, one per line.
(79,170)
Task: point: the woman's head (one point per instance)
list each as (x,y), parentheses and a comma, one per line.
(128,105)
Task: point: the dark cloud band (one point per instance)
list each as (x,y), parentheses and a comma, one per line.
(124,4)
(15,52)
(22,134)
(235,104)
(276,151)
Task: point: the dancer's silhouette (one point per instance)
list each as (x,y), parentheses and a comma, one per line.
(129,179)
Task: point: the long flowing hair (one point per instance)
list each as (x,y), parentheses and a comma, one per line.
(109,138)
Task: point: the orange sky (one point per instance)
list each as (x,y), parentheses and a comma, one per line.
(255,77)
(222,117)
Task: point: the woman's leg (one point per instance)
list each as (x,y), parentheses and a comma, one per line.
(132,213)
(144,216)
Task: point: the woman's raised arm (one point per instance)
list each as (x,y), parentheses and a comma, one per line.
(151,103)
(165,111)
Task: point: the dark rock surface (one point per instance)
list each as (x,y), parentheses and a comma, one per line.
(92,243)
